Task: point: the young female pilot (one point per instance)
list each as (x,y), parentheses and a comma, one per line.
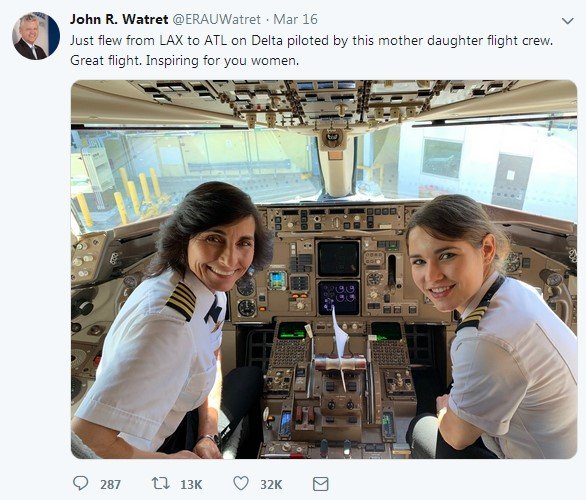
(514,361)
(158,386)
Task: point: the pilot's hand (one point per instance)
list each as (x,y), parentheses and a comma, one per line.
(441,402)
(206,448)
(184,454)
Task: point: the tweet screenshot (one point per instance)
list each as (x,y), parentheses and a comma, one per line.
(301,250)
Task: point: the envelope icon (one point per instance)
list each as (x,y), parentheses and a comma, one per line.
(321,483)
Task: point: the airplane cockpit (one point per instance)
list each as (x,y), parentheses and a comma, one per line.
(336,168)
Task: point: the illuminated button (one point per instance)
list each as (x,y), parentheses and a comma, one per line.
(88,258)
(77,262)
(412,309)
(397,309)
(81,246)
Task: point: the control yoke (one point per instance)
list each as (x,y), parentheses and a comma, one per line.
(560,293)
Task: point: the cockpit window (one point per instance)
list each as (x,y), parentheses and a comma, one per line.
(529,166)
(120,176)
(123,176)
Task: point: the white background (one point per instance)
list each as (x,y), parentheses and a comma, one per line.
(34,203)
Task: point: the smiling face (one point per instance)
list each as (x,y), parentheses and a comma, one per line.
(450,273)
(29,31)
(221,255)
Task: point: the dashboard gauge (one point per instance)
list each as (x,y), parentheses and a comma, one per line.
(245,286)
(374,279)
(554,279)
(513,262)
(246,308)
(131,281)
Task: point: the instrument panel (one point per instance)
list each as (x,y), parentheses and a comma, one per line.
(351,258)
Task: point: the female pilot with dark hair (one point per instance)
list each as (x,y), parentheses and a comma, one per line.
(158,388)
(514,362)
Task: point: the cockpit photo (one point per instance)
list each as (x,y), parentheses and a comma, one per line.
(324,269)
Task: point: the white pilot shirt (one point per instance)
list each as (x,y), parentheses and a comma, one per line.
(515,375)
(156,364)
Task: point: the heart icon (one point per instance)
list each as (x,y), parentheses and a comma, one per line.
(240,482)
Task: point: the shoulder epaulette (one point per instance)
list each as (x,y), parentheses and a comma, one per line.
(182,300)
(473,319)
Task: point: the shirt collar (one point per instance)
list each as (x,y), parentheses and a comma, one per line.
(205,297)
(479,294)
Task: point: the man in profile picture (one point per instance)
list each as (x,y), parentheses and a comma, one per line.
(29,31)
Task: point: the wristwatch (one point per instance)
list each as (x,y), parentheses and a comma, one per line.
(214,437)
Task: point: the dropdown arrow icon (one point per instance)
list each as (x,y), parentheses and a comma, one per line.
(567,21)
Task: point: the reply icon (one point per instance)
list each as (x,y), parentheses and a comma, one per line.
(80,482)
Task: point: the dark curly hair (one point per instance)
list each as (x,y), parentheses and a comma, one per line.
(209,205)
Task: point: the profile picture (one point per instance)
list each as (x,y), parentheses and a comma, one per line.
(35,35)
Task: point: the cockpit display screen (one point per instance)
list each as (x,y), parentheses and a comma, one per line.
(291,330)
(338,258)
(343,295)
(386,330)
(277,280)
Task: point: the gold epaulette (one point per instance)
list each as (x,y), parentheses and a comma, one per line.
(473,319)
(182,300)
